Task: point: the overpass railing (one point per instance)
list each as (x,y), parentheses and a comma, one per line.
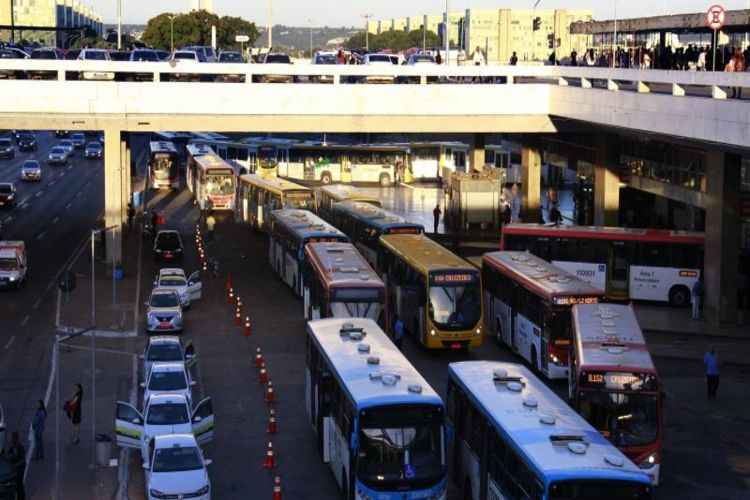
(677,83)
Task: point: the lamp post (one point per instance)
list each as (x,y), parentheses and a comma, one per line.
(270,25)
(12,21)
(367,31)
(171,32)
(119,24)
(614,36)
(311,33)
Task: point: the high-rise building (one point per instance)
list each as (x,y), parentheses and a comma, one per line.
(48,13)
(207,5)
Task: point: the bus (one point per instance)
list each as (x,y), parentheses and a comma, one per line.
(339,283)
(180,141)
(527,305)
(211,180)
(327,163)
(515,438)
(260,195)
(435,293)
(639,264)
(380,427)
(366,223)
(334,193)
(614,384)
(290,230)
(436,160)
(498,157)
(269,153)
(163,166)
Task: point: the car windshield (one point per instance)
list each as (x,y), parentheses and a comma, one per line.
(230,57)
(167,414)
(5,143)
(78,137)
(624,419)
(26,137)
(5,189)
(165,352)
(596,490)
(43,54)
(93,145)
(326,59)
(423,59)
(278,58)
(167,381)
(377,58)
(57,150)
(219,184)
(119,56)
(173,281)
(455,307)
(177,459)
(66,144)
(144,55)
(8,264)
(164,300)
(401,447)
(168,241)
(95,56)
(31,164)
(185,55)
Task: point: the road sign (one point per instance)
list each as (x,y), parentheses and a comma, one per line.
(715,17)
(242,38)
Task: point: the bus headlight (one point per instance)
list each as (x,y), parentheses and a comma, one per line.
(479,331)
(432,332)
(649,462)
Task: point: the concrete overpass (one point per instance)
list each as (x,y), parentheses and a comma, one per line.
(690,106)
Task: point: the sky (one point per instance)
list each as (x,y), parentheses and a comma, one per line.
(331,12)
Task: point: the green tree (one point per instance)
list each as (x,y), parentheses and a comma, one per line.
(194,28)
(395,40)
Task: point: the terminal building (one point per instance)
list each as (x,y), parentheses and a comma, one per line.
(500,32)
(48,14)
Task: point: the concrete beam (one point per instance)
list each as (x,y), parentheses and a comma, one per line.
(531,183)
(676,22)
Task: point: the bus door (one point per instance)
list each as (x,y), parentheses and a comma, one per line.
(618,269)
(324,422)
(346,169)
(459,161)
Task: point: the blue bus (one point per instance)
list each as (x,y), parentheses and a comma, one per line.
(365,223)
(515,438)
(290,231)
(380,427)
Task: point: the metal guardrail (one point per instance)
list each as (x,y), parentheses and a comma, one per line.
(677,83)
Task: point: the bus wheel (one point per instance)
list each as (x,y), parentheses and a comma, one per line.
(534,365)
(385,180)
(325,179)
(679,296)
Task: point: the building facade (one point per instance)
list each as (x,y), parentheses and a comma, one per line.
(47,14)
(207,5)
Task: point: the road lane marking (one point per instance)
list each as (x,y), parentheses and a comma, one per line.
(24,206)
(40,193)
(67,207)
(10,342)
(25,320)
(55,220)
(79,194)
(70,167)
(37,303)
(41,235)
(52,183)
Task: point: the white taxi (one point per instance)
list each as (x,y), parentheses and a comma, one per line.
(168,378)
(163,311)
(177,469)
(166,349)
(188,288)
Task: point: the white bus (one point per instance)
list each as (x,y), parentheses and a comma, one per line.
(516,439)
(328,195)
(163,162)
(379,424)
(436,160)
(527,305)
(260,195)
(212,181)
(290,231)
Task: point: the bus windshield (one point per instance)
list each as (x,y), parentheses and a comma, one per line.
(8,264)
(267,156)
(596,490)
(356,303)
(455,306)
(219,184)
(162,163)
(624,419)
(401,447)
(301,201)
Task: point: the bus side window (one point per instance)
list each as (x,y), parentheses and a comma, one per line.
(496,460)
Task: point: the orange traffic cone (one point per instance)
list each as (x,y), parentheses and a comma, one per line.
(277,488)
(230,297)
(248,328)
(237,317)
(263,375)
(270,461)
(272,425)
(269,393)
(258,358)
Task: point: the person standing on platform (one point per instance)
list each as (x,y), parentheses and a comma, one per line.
(711,362)
(436,217)
(398,332)
(696,295)
(37,425)
(515,204)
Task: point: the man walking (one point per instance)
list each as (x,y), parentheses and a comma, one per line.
(696,295)
(17,457)
(436,217)
(37,425)
(711,362)
(73,410)
(398,332)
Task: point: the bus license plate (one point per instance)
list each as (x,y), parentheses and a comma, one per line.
(455,345)
(165,325)
(168,255)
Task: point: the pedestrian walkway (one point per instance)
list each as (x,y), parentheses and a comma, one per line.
(658,318)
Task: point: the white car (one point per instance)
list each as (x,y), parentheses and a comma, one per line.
(165,349)
(185,55)
(379,60)
(58,156)
(2,428)
(177,469)
(164,414)
(31,171)
(163,311)
(168,378)
(93,55)
(188,288)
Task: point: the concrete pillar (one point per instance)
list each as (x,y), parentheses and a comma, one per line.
(114,208)
(126,186)
(606,188)
(722,238)
(477,153)
(531,183)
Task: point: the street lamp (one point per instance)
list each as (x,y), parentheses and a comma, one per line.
(367,31)
(119,24)
(447,35)
(12,21)
(311,33)
(171,32)
(270,25)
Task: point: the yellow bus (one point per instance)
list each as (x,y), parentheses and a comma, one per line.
(328,195)
(260,195)
(436,294)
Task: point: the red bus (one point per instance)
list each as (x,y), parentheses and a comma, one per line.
(613,382)
(639,264)
(527,305)
(339,283)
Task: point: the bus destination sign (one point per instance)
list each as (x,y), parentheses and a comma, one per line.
(569,301)
(452,279)
(619,381)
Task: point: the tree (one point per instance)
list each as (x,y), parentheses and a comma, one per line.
(394,40)
(194,28)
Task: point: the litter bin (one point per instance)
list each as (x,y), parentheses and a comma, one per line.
(119,273)
(103,449)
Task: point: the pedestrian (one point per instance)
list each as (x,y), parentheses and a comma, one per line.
(477,57)
(730,67)
(513,59)
(17,458)
(210,225)
(701,64)
(37,425)
(711,362)
(515,204)
(436,217)
(340,57)
(398,332)
(73,410)
(438,58)
(131,214)
(696,295)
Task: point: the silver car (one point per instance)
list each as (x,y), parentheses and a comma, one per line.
(164,311)
(58,156)
(165,349)
(31,171)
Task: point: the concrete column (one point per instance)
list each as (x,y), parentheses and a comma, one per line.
(477,153)
(606,189)
(722,238)
(531,180)
(114,208)
(125,170)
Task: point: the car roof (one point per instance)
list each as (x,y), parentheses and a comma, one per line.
(168,366)
(159,290)
(171,271)
(167,398)
(167,231)
(175,440)
(164,339)
(31,160)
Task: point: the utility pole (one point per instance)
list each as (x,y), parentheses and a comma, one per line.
(311,34)
(533,32)
(171,33)
(119,24)
(12,21)
(367,31)
(270,25)
(447,35)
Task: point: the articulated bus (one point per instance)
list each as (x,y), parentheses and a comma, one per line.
(163,166)
(614,384)
(436,160)
(436,294)
(290,231)
(211,180)
(380,426)
(515,438)
(260,195)
(366,223)
(638,264)
(339,283)
(527,304)
(327,163)
(328,195)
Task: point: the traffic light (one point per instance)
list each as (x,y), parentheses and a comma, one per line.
(551,41)
(537,23)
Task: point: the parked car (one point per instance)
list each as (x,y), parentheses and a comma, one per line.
(168,378)
(163,312)
(188,288)
(421,59)
(7,149)
(68,145)
(119,55)
(177,468)
(140,55)
(93,150)
(378,60)
(185,55)
(163,55)
(31,171)
(276,58)
(168,245)
(230,56)
(206,53)
(47,53)
(165,349)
